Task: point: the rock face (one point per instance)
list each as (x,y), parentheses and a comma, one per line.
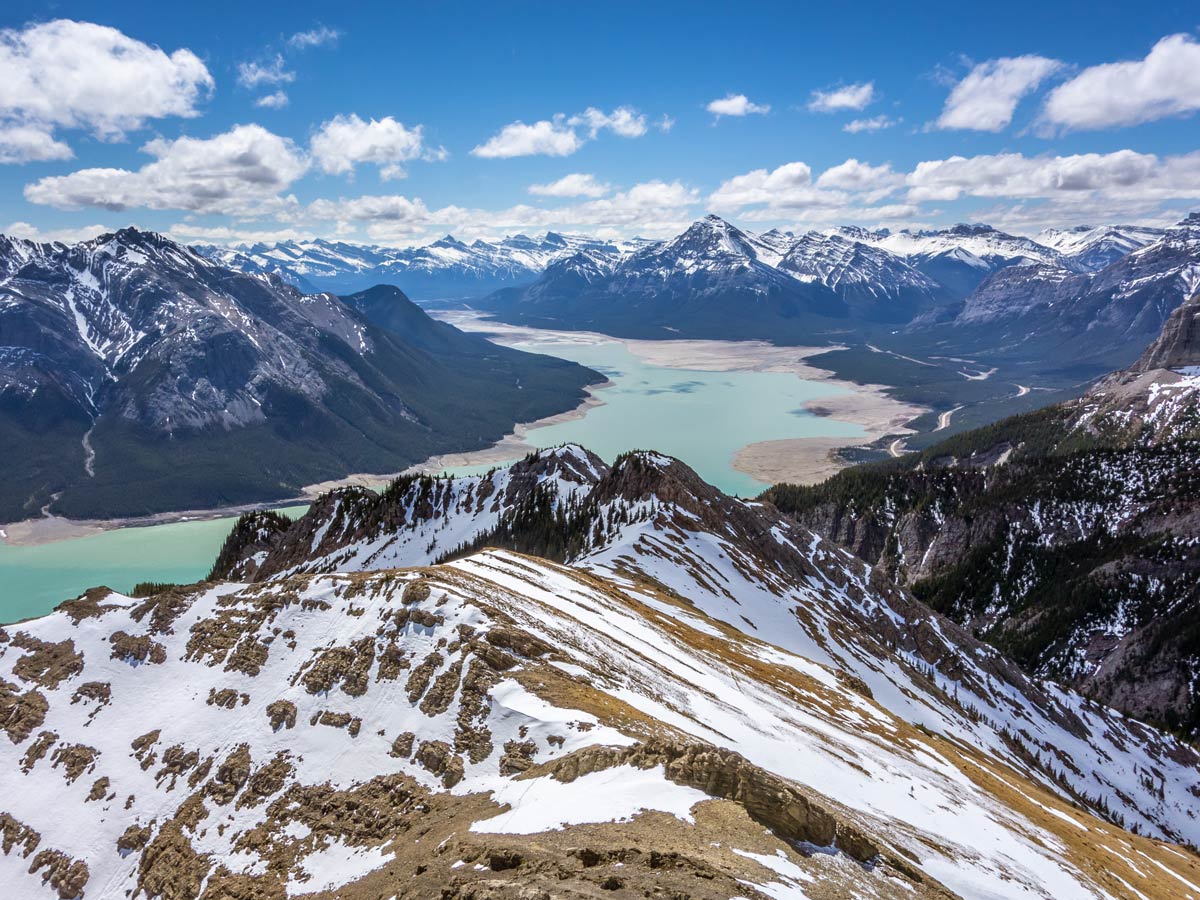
(1178,346)
(1062,536)
(138,376)
(703,700)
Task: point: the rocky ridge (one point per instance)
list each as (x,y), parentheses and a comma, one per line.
(500,725)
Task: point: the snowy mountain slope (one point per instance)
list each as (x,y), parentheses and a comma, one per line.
(1096,319)
(132,360)
(959,258)
(747,565)
(504,726)
(716,280)
(445,269)
(1066,536)
(1092,247)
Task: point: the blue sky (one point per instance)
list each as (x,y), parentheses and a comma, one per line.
(398,122)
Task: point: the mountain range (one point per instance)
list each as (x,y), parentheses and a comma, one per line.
(1070,304)
(137,376)
(447,269)
(1066,537)
(565,679)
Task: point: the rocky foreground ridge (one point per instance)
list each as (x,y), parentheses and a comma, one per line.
(680,695)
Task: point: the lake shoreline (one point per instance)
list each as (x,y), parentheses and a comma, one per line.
(806,460)
(803,460)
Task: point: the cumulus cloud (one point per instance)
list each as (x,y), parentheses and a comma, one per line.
(654,207)
(277,100)
(788,185)
(853,175)
(624,121)
(240,172)
(737,105)
(875,123)
(62,235)
(987,97)
(839,99)
(272,71)
(1123,174)
(30,143)
(560,136)
(345,141)
(544,138)
(67,74)
(315,37)
(1165,83)
(573,185)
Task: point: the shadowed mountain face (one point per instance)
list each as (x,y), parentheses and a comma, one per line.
(682,694)
(715,280)
(1051,315)
(1065,537)
(137,376)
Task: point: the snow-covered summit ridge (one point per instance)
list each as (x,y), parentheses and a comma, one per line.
(705,701)
(649,517)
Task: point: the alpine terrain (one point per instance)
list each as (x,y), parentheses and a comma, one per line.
(137,376)
(1065,537)
(561,680)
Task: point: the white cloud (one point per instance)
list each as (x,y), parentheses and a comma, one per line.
(650,208)
(544,138)
(1165,83)
(66,74)
(852,96)
(853,175)
(345,141)
(665,123)
(63,235)
(875,123)
(277,100)
(1083,187)
(191,233)
(30,143)
(573,185)
(273,71)
(623,121)
(787,186)
(314,37)
(737,105)
(239,172)
(987,97)
(1123,174)
(560,136)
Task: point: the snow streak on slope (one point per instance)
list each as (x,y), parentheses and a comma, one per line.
(747,565)
(281,709)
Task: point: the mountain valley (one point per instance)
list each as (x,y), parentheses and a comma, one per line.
(138,376)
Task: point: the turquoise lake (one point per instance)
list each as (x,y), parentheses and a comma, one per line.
(701,417)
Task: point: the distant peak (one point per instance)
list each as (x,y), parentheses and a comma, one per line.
(970,229)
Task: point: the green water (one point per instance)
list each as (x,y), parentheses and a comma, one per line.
(703,418)
(35,579)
